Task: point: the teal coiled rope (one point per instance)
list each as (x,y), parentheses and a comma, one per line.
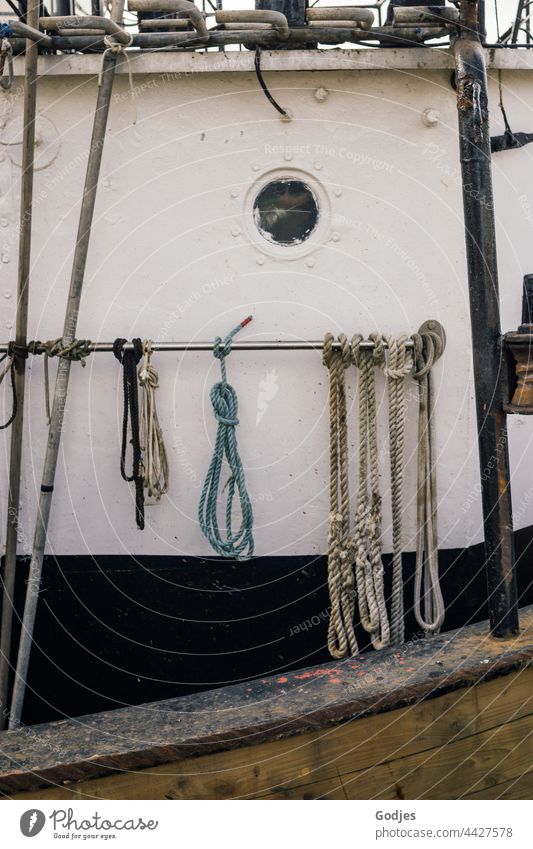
(238,545)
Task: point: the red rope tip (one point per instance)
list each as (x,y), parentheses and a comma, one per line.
(246,321)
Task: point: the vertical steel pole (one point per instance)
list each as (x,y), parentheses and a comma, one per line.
(61,385)
(21,329)
(489,365)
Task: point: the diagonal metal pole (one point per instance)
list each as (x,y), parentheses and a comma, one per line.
(62,379)
(489,365)
(21,329)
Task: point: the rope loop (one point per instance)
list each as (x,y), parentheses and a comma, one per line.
(237,544)
(341,634)
(153,450)
(428,347)
(129,360)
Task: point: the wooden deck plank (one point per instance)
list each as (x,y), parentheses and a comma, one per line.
(520,787)
(266,710)
(313,764)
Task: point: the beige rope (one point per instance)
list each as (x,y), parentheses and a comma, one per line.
(367,531)
(428,348)
(153,452)
(396,367)
(114,47)
(341,635)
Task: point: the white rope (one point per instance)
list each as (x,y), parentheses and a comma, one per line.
(154,456)
(397,366)
(341,635)
(428,348)
(115,47)
(367,531)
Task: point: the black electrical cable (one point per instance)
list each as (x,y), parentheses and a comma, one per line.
(17,12)
(262,83)
(129,360)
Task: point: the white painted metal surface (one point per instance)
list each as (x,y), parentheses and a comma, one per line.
(173,256)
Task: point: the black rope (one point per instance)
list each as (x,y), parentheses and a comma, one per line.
(262,83)
(129,361)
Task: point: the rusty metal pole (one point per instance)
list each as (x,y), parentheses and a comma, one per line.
(21,329)
(489,363)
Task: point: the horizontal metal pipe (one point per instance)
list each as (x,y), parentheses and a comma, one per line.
(251,345)
(18,28)
(85,22)
(362,17)
(252,16)
(195,15)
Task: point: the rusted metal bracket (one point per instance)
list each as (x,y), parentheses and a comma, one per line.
(518,347)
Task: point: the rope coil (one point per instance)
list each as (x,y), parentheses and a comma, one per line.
(153,451)
(239,544)
(129,361)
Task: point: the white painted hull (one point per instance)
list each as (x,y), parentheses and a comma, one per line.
(173,256)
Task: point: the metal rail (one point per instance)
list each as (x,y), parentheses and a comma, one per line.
(247,345)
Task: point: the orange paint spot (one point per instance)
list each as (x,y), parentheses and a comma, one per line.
(282,680)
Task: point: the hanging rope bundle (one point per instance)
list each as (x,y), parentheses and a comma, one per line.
(129,360)
(238,545)
(153,451)
(397,366)
(428,347)
(367,530)
(341,635)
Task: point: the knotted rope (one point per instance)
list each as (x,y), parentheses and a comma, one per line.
(77,350)
(428,347)
(367,530)
(397,366)
(116,48)
(238,545)
(341,635)
(154,454)
(129,360)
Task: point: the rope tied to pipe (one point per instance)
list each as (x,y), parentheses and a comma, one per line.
(396,367)
(367,526)
(428,347)
(116,48)
(153,451)
(341,634)
(240,544)
(76,350)
(129,360)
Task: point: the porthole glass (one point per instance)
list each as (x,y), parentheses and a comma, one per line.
(286,212)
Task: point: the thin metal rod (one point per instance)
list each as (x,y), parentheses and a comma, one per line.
(489,365)
(251,345)
(61,385)
(21,329)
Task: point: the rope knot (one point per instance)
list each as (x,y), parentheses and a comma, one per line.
(224,401)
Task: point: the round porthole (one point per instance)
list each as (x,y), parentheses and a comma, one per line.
(286,211)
